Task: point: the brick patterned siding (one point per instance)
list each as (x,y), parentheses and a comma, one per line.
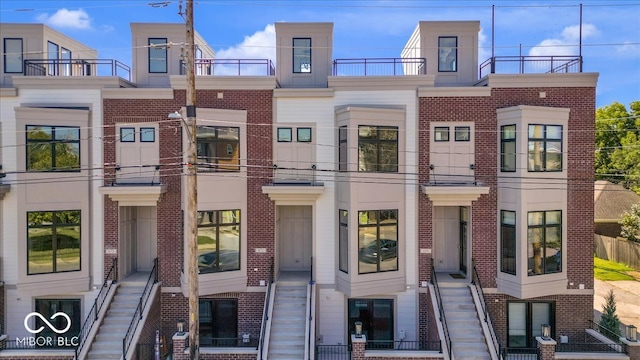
(153,322)
(572,311)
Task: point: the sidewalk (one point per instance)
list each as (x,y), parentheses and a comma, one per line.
(627,295)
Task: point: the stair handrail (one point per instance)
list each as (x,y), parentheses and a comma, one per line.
(110,279)
(265,313)
(443,318)
(310,331)
(475,280)
(137,315)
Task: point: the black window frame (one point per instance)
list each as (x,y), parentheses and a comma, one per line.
(284,131)
(504,140)
(19,56)
(544,140)
(210,327)
(377,337)
(363,252)
(451,48)
(379,141)
(127,137)
(439,130)
(211,163)
(295,47)
(152,43)
(343,241)
(460,130)
(343,149)
(60,322)
(52,142)
(530,330)
(508,258)
(544,244)
(56,238)
(217,221)
(146,131)
(304,139)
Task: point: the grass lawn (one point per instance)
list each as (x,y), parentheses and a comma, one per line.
(606,270)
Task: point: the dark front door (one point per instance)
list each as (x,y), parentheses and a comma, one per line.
(376,316)
(525,321)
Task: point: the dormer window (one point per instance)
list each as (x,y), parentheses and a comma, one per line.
(448,53)
(157,55)
(302,55)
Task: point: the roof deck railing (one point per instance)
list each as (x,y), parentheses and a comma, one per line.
(77,67)
(231,67)
(379,66)
(531,65)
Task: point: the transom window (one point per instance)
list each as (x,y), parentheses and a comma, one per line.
(508,148)
(301,55)
(377,241)
(448,53)
(48,307)
(218,148)
(53,148)
(13,56)
(53,241)
(508,241)
(544,238)
(378,148)
(545,148)
(157,55)
(218,241)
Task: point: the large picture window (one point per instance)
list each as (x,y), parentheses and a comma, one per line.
(376,316)
(13,56)
(448,53)
(53,148)
(301,55)
(218,148)
(545,148)
(377,241)
(378,148)
(218,241)
(544,239)
(53,241)
(157,55)
(219,322)
(343,241)
(508,241)
(47,308)
(508,148)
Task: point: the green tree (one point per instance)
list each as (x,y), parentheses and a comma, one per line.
(618,144)
(609,318)
(630,222)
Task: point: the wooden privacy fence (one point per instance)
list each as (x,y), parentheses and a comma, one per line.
(618,249)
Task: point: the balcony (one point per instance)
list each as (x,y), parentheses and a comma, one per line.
(77,68)
(531,65)
(231,67)
(379,67)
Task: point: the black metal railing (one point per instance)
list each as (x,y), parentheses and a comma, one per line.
(610,334)
(265,313)
(590,347)
(379,66)
(310,301)
(231,67)
(76,67)
(485,311)
(531,65)
(110,279)
(245,342)
(421,345)
(283,175)
(27,344)
(333,352)
(443,318)
(520,353)
(137,315)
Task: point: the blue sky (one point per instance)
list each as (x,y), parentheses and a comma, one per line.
(369,28)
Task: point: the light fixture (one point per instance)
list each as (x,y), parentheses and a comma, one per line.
(358,329)
(632,333)
(180,326)
(546,331)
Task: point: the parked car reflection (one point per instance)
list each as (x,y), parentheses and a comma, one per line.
(229,260)
(370,254)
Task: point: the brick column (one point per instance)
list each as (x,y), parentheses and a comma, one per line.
(180,344)
(547,348)
(357,347)
(633,348)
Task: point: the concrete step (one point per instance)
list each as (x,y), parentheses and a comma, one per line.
(115,353)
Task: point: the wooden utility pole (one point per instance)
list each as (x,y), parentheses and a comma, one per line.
(192,190)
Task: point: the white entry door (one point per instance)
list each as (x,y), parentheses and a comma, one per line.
(294,238)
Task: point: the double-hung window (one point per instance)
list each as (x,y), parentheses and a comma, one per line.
(544,242)
(301,55)
(157,55)
(545,148)
(508,148)
(218,148)
(508,241)
(53,241)
(378,148)
(377,241)
(53,148)
(448,53)
(218,241)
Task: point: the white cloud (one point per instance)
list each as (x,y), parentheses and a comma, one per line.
(484,50)
(64,18)
(259,45)
(567,43)
(629,48)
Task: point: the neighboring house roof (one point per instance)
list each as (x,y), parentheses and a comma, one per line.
(612,200)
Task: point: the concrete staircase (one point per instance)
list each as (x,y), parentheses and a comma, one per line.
(108,341)
(465,330)
(288,322)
